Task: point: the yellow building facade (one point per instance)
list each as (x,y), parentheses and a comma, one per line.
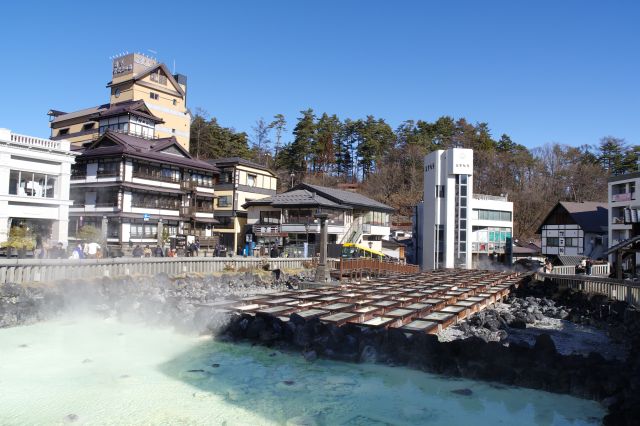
(240,181)
(135,77)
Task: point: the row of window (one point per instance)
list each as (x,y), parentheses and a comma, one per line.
(563,242)
(155,201)
(32,184)
(494,215)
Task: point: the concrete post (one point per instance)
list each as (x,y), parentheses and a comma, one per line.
(160,231)
(105,227)
(323,274)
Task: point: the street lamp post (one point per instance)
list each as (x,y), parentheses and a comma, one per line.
(322,272)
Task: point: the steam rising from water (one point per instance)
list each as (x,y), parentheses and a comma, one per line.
(97,371)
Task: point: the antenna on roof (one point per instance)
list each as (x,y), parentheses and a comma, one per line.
(174,67)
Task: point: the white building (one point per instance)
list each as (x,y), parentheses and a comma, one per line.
(573,230)
(457,225)
(624,210)
(491,224)
(34,186)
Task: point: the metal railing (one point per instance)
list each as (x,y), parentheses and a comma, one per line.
(614,289)
(46,270)
(491,197)
(596,270)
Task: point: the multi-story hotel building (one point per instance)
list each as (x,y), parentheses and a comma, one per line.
(454,226)
(240,181)
(287,219)
(131,187)
(136,78)
(624,214)
(34,186)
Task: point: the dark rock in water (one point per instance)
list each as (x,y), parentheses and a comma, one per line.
(70,418)
(195,371)
(288,382)
(518,323)
(464,392)
(369,354)
(272,354)
(545,344)
(310,355)
(24,345)
(86,361)
(215,365)
(125,376)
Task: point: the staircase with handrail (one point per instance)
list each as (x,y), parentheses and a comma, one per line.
(354,232)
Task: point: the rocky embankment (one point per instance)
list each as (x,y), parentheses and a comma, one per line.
(487,352)
(190,303)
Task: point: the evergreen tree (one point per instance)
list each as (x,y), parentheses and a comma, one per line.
(612,154)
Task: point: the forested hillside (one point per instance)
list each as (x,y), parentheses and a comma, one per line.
(388,163)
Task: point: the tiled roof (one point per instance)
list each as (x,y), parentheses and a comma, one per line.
(238,160)
(133,146)
(346,197)
(591,216)
(296,197)
(80,113)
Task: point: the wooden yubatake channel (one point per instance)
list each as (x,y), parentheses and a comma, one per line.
(416,303)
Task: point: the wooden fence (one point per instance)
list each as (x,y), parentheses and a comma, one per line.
(612,288)
(32,270)
(351,267)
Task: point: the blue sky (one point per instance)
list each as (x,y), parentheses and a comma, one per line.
(540,71)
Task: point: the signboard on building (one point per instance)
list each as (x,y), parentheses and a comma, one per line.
(461,162)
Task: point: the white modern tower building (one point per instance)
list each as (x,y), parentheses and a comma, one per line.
(459,228)
(448,189)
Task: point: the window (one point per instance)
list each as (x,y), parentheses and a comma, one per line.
(88,126)
(174,102)
(571,242)
(154,96)
(156,172)
(158,77)
(155,201)
(553,242)
(173,131)
(202,179)
(494,215)
(226,176)
(269,217)
(108,168)
(224,201)
(204,205)
(144,230)
(79,170)
(298,216)
(107,197)
(32,184)
(439,191)
(252,180)
(63,132)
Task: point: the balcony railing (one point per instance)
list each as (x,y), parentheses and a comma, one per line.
(155,206)
(188,185)
(149,176)
(625,196)
(617,220)
(266,229)
(61,145)
(490,197)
